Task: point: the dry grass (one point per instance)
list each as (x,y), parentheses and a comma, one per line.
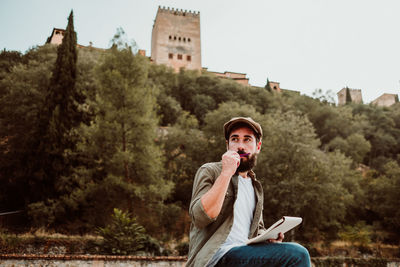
(42,233)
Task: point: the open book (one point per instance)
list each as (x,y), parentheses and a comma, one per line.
(282,226)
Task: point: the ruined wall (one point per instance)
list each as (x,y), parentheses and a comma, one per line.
(386,100)
(175,39)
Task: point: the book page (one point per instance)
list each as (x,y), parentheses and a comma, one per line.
(281,226)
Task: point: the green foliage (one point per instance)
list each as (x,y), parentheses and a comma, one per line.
(121,165)
(66,171)
(24,91)
(359,234)
(185,147)
(324,97)
(354,146)
(62,113)
(384,200)
(123,236)
(296,174)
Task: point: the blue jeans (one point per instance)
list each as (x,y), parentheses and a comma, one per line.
(267,254)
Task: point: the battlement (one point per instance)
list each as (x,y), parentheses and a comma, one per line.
(178,12)
(175,39)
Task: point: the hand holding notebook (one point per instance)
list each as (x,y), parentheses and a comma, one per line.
(281,226)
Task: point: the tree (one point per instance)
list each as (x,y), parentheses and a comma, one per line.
(62,113)
(348,96)
(268,86)
(21,101)
(354,146)
(296,175)
(122,165)
(384,198)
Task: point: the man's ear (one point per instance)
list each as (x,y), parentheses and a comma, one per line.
(259,146)
(227,145)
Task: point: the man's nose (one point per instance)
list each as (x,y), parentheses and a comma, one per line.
(240,146)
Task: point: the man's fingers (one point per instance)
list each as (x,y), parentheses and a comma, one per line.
(280,238)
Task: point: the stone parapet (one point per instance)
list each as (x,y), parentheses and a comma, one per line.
(8,260)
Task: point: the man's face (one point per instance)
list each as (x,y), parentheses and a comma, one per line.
(243,141)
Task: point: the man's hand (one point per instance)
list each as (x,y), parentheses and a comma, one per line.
(212,200)
(280,238)
(230,162)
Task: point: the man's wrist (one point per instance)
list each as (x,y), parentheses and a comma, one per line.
(226,175)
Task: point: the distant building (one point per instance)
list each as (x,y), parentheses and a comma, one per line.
(238,77)
(56,36)
(275,86)
(386,100)
(175,39)
(355,95)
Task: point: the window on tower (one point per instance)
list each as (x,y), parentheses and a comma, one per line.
(170,56)
(179,56)
(189,58)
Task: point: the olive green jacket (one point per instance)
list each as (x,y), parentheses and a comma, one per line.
(207,234)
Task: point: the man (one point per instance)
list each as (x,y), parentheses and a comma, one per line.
(226,208)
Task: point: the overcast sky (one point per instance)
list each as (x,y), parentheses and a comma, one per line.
(303,44)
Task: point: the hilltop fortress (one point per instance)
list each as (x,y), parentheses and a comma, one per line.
(176,42)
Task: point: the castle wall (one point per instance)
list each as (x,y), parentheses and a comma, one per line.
(386,100)
(355,94)
(237,77)
(175,39)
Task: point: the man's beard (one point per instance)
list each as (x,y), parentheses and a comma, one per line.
(247,165)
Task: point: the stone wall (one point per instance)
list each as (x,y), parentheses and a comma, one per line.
(13,260)
(89,261)
(386,100)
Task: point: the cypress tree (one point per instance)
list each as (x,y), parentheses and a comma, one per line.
(268,86)
(348,96)
(63,98)
(62,113)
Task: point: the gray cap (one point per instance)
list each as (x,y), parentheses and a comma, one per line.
(256,127)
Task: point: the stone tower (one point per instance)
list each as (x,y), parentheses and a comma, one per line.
(355,95)
(56,36)
(175,39)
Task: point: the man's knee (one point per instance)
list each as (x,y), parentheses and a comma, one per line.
(298,253)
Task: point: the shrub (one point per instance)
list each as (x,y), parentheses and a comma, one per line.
(123,236)
(183,248)
(358,234)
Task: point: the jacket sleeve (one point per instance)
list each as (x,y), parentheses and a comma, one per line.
(203,181)
(261,227)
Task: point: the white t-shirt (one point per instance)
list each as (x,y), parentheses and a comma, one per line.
(243,210)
